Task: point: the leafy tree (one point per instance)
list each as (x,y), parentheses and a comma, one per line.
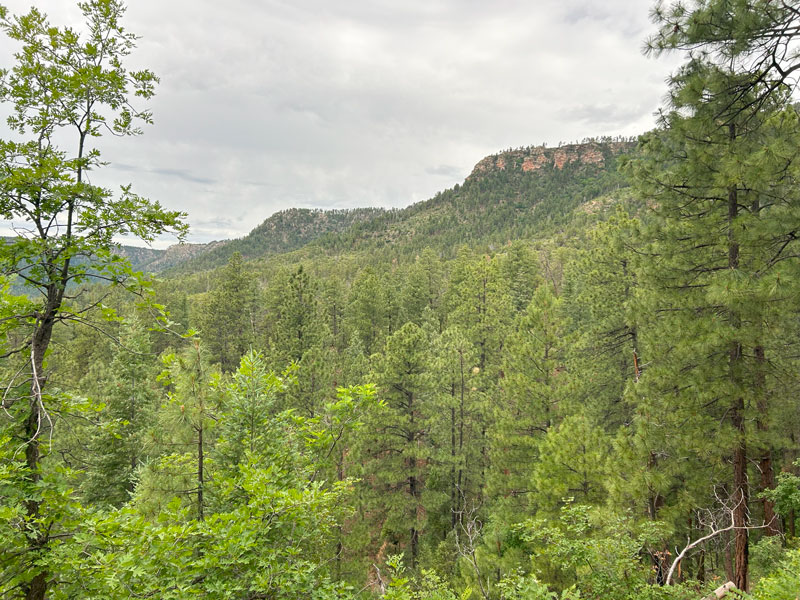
(587,554)
(268,531)
(64,83)
(783,584)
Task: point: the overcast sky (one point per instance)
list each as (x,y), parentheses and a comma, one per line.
(269,104)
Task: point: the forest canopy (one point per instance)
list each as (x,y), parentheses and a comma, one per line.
(573,376)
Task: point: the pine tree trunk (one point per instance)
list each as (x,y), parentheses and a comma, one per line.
(453,488)
(200,469)
(740,491)
(765,462)
(413,532)
(740,499)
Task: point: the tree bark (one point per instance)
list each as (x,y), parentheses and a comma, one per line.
(765,461)
(740,490)
(42,334)
(200,469)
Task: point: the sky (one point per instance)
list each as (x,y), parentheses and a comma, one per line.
(265,105)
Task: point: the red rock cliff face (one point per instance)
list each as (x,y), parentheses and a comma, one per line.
(538,157)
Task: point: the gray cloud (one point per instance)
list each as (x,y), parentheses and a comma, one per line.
(182,174)
(449,171)
(269,104)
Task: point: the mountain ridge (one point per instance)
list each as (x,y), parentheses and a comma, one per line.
(507,195)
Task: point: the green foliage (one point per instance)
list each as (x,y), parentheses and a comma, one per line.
(65,88)
(64,83)
(563,372)
(784,582)
(526,587)
(282,232)
(786,494)
(427,586)
(395,452)
(592,556)
(118,444)
(227,316)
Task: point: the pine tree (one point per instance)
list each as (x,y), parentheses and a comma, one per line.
(297,321)
(368,310)
(395,448)
(456,430)
(722,180)
(226,318)
(184,433)
(128,390)
(532,391)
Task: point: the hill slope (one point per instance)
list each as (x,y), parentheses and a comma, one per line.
(283,232)
(519,193)
(509,195)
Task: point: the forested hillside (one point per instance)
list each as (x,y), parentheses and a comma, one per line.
(284,231)
(573,376)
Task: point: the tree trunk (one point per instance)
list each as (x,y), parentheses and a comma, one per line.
(740,490)
(728,557)
(413,532)
(740,497)
(453,488)
(765,462)
(200,468)
(34,424)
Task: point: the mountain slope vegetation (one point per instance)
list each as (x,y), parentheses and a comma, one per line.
(573,376)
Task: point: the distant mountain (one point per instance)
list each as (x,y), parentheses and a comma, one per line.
(284,231)
(514,194)
(518,193)
(522,193)
(155,261)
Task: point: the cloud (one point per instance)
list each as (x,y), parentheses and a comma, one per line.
(267,104)
(449,171)
(183,174)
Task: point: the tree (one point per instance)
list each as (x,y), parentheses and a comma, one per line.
(64,83)
(129,394)
(396,453)
(227,317)
(721,173)
(368,310)
(185,428)
(745,37)
(531,393)
(455,426)
(269,524)
(298,320)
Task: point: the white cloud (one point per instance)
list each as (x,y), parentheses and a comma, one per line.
(265,105)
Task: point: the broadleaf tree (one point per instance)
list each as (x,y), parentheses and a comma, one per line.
(65,89)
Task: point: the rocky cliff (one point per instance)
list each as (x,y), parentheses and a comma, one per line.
(541,158)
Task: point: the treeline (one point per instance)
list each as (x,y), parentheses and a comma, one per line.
(604,408)
(526,429)
(284,231)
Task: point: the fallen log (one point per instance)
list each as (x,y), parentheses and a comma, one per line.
(721,591)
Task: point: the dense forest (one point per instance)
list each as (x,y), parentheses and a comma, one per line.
(575,375)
